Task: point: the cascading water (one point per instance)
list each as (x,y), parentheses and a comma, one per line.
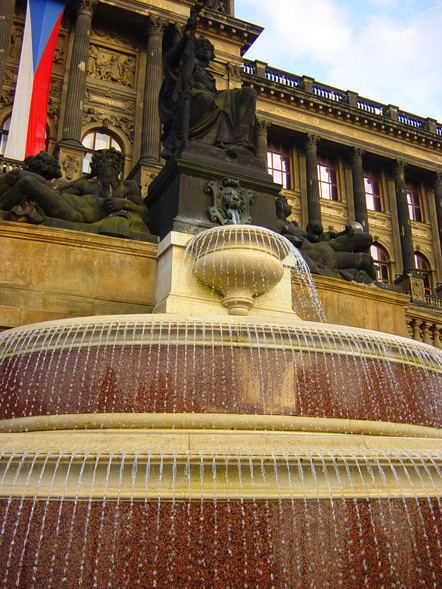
(181,451)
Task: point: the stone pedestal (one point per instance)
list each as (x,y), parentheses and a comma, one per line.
(412,283)
(177,199)
(178,291)
(70,157)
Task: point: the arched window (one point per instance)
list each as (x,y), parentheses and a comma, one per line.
(4,132)
(424,268)
(98,139)
(381,261)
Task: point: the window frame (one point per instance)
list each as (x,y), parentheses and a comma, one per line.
(426,272)
(284,152)
(381,264)
(328,162)
(89,151)
(375,176)
(413,190)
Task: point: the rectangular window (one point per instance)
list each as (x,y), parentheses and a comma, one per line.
(414,199)
(328,178)
(373,192)
(279,164)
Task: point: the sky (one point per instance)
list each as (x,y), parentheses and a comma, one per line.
(387,50)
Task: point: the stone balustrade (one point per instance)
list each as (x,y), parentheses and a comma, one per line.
(347,97)
(424,326)
(6,164)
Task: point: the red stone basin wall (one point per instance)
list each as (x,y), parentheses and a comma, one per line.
(221,544)
(218,380)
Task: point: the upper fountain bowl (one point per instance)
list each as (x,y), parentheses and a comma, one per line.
(239,261)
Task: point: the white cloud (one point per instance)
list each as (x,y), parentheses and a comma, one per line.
(387,55)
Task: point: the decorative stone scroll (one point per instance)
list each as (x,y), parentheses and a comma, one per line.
(231,203)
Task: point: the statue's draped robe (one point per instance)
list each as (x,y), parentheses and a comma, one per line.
(221,118)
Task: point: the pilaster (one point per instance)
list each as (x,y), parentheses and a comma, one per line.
(313,199)
(151,127)
(262,128)
(406,238)
(6,16)
(359,197)
(73,115)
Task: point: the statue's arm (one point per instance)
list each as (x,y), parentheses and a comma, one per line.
(131,200)
(75,186)
(173,57)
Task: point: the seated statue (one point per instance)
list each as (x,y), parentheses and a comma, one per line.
(97,203)
(341,255)
(221,118)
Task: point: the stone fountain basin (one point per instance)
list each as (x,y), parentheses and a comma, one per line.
(223,365)
(239,261)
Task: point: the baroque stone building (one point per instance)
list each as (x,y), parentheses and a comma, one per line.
(339,156)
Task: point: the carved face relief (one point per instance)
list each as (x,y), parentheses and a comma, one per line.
(231,203)
(231,199)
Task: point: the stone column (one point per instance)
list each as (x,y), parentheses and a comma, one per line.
(262,127)
(73,115)
(313,200)
(404,217)
(70,146)
(6,16)
(151,126)
(437,185)
(359,197)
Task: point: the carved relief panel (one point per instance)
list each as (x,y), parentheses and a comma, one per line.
(111,66)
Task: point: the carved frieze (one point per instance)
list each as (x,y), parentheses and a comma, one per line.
(10,77)
(59,54)
(217,6)
(231,203)
(15,42)
(56,89)
(114,38)
(234,71)
(126,124)
(379,220)
(111,66)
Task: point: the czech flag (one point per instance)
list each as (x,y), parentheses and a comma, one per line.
(27,132)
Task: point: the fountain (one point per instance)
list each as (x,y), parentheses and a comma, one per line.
(242,448)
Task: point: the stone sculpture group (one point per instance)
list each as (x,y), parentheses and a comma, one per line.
(192,111)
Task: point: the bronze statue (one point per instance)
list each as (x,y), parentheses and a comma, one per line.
(97,203)
(341,255)
(190,106)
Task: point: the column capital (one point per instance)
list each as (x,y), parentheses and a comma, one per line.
(84,6)
(437,179)
(356,154)
(263,126)
(398,168)
(311,140)
(155,25)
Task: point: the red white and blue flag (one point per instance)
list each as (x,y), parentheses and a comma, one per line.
(27,133)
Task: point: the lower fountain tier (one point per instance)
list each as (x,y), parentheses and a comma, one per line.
(169,364)
(181,503)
